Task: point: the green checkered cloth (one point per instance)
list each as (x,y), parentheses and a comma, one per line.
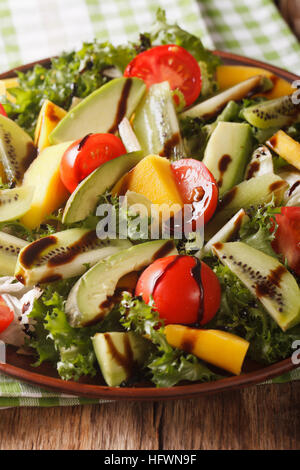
(33,29)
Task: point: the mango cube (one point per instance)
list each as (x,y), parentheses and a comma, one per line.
(50,193)
(286,147)
(230,75)
(216,347)
(153,178)
(49,117)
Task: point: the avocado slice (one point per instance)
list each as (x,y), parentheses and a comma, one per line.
(227,153)
(101,111)
(119,354)
(266,278)
(259,190)
(92,297)
(17,150)
(63,255)
(83,200)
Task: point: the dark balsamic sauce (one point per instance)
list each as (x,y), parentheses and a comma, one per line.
(253,168)
(293,187)
(223,165)
(122,106)
(52,114)
(228,198)
(112,299)
(196,273)
(32,251)
(169,146)
(189,341)
(125,183)
(67,256)
(275,275)
(126,360)
(83,141)
(276,185)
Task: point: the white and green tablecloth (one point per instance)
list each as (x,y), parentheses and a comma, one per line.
(34,29)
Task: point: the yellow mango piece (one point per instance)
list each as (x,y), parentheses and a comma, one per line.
(286,147)
(230,75)
(216,347)
(50,193)
(49,117)
(6,84)
(153,178)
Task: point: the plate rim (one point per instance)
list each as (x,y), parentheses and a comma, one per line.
(192,390)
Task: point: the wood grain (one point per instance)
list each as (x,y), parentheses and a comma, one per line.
(262,417)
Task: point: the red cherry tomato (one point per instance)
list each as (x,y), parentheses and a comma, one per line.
(6,315)
(168,63)
(183,290)
(2,110)
(197,186)
(87,154)
(287,237)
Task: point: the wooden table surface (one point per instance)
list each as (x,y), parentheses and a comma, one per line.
(262,417)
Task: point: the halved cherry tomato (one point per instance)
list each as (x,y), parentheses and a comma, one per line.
(184,291)
(6,315)
(197,186)
(168,63)
(2,110)
(87,154)
(287,237)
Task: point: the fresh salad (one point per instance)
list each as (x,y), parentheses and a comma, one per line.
(149,213)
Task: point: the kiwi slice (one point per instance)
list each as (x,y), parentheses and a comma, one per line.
(63,255)
(10,247)
(14,203)
(17,150)
(267,279)
(274,113)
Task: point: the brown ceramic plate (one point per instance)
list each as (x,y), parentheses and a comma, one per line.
(45,376)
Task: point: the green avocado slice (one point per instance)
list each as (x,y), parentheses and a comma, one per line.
(93,295)
(119,354)
(227,153)
(101,111)
(83,200)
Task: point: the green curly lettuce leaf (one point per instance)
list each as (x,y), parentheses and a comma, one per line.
(77,73)
(54,340)
(259,231)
